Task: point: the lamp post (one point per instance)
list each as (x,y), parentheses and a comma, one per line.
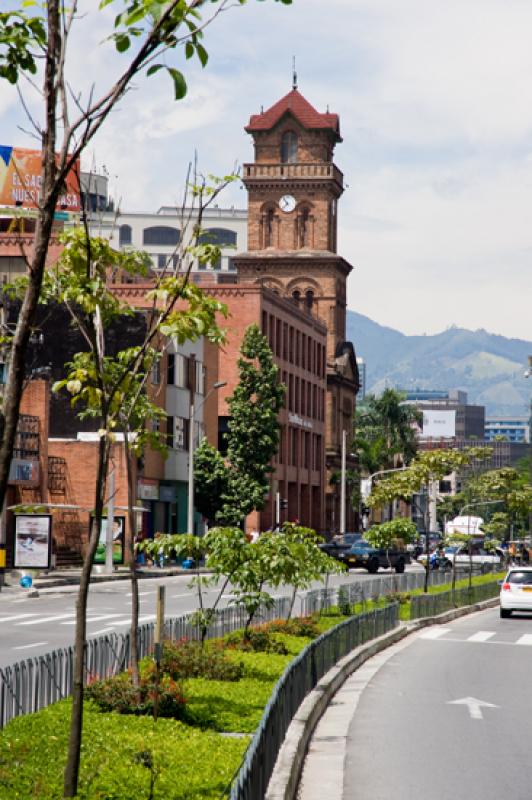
(191,442)
(528,374)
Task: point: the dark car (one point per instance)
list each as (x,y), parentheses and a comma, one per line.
(340,544)
(363,554)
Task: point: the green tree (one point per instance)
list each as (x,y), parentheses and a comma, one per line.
(385,431)
(426,467)
(148,34)
(111,389)
(228,490)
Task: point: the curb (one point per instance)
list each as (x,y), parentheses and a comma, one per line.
(285,778)
(74,580)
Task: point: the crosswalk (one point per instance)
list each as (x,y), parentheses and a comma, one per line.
(33,619)
(443,634)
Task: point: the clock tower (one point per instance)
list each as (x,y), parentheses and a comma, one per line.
(293,190)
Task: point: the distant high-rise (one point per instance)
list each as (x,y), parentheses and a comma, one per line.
(361,364)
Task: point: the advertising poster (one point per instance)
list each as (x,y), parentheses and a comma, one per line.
(20,180)
(33,541)
(439,424)
(119,526)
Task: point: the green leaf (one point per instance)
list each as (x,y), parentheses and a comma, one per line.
(153,69)
(202,55)
(180,85)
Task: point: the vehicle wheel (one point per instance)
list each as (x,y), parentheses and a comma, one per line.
(373,565)
(505,613)
(400,566)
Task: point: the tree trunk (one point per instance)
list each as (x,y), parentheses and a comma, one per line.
(43,230)
(292,603)
(132,520)
(76,721)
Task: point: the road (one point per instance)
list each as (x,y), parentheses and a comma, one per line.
(444,714)
(30,626)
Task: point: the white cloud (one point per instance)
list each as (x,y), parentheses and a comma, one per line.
(435,100)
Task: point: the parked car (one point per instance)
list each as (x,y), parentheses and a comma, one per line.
(516,591)
(363,554)
(340,544)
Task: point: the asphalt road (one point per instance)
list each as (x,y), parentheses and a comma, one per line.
(30,626)
(447,716)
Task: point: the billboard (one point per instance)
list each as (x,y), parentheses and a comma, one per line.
(21,180)
(33,541)
(439,424)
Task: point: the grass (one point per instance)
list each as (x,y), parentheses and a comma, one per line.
(126,757)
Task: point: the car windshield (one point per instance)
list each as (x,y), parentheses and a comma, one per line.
(351,538)
(362,543)
(519,576)
(451,549)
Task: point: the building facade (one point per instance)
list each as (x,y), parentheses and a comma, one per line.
(512,429)
(293,190)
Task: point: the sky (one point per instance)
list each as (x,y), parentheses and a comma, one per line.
(435,105)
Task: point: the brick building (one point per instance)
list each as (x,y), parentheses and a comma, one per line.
(298,341)
(293,190)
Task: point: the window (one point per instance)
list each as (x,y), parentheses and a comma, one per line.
(296,296)
(231,266)
(181,428)
(289,147)
(222,237)
(200,378)
(170,432)
(304,228)
(309,299)
(161,261)
(156,372)
(180,371)
(161,234)
(124,235)
(170,373)
(268,228)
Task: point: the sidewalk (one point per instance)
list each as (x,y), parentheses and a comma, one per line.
(71,577)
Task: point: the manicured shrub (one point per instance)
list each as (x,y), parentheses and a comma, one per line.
(119,694)
(259,640)
(344,606)
(298,626)
(188,659)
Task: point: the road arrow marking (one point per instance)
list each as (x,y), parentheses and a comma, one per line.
(475,706)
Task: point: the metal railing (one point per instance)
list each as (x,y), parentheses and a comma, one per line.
(429,605)
(37,682)
(299,678)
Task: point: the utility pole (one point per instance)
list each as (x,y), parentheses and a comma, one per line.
(342,483)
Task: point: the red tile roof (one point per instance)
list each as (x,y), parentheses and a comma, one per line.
(295,104)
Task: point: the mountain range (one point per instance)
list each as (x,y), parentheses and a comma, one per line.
(490,368)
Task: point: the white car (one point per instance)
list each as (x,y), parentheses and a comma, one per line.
(479,556)
(516,591)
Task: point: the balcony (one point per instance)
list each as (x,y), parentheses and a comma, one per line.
(268,172)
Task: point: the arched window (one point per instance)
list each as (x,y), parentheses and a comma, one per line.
(161,235)
(309,299)
(289,147)
(222,237)
(124,234)
(296,296)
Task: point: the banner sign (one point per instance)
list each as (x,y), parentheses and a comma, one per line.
(119,526)
(33,541)
(21,180)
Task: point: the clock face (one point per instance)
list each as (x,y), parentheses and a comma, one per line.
(287,203)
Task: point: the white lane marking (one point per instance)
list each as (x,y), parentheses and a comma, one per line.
(525,639)
(103,630)
(481,636)
(27,646)
(189,594)
(145,618)
(46,619)
(474,706)
(141,594)
(17,616)
(92,619)
(434,633)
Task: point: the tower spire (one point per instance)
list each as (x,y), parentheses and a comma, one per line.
(294,73)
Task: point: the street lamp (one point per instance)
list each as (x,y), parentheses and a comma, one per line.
(528,374)
(193,409)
